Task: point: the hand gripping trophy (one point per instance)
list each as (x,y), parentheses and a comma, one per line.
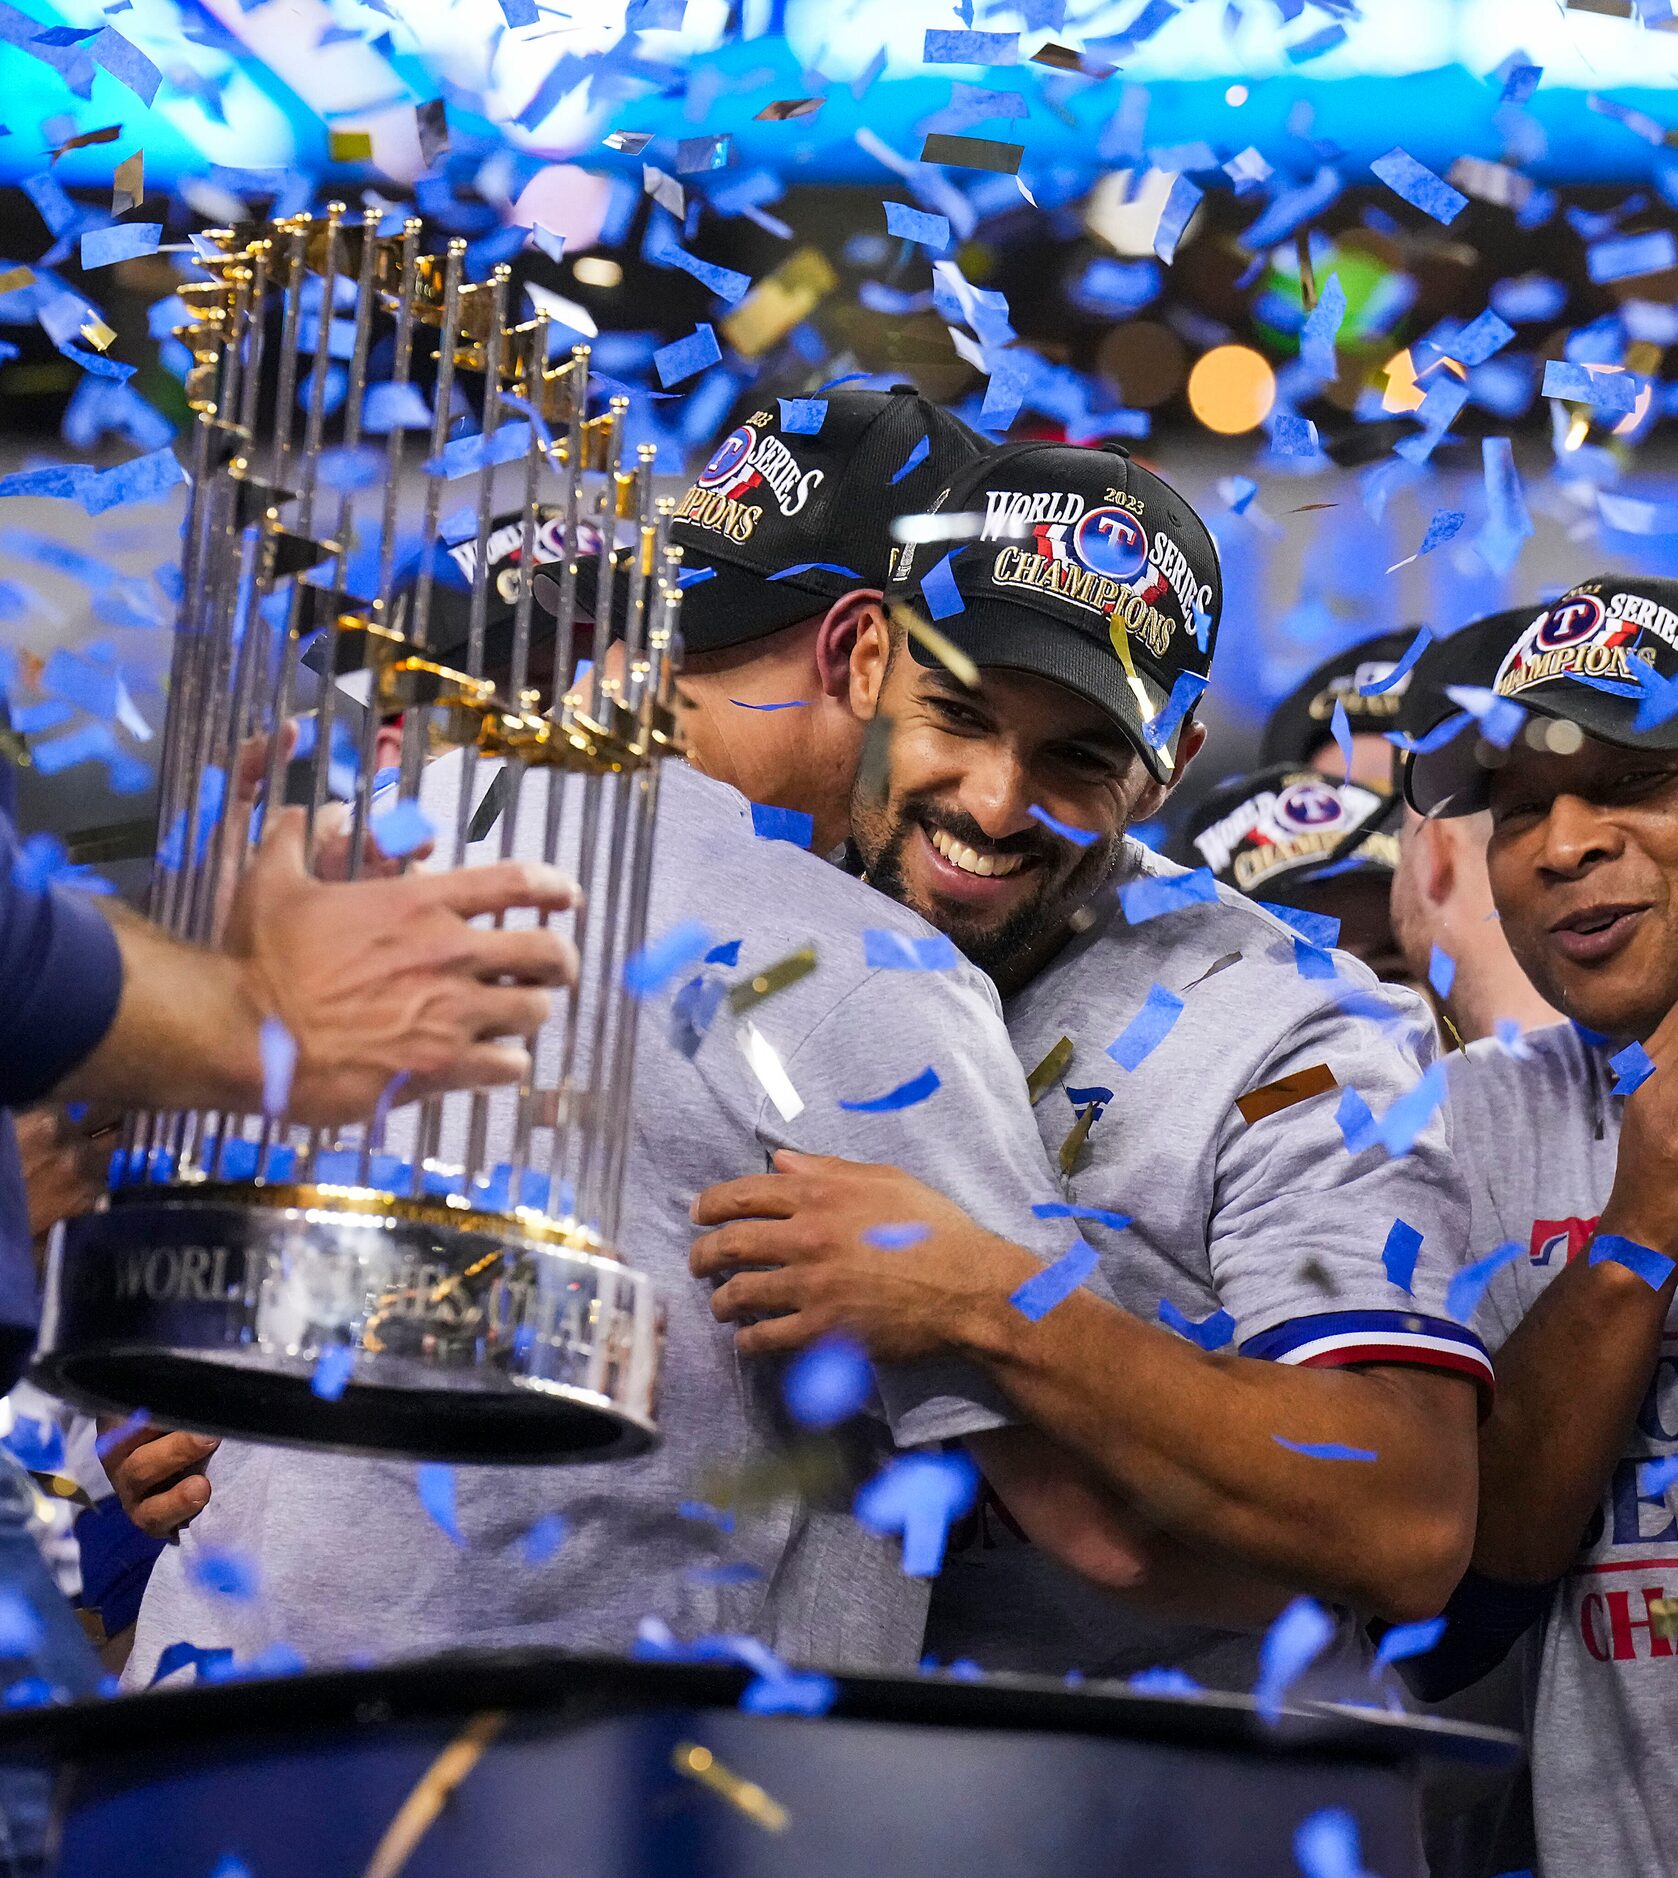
(387,1287)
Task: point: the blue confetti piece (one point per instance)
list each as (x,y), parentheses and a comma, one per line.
(897,1235)
(1326,1845)
(828,1383)
(1402,669)
(543,1539)
(1444,526)
(728,953)
(1404,1641)
(773,824)
(931,231)
(1293,435)
(1055,1283)
(1341,729)
(799,568)
(1152,896)
(1611,394)
(436,1485)
(1291,1645)
(1482,338)
(1620,257)
(230,1866)
(1325,1450)
(1654,1268)
(1061,1209)
(1211,1333)
(949,47)
(1441,971)
(1322,325)
(125,241)
(913,461)
(1320,931)
(792,1692)
(1079,837)
(1314,45)
(394,407)
(1163,1681)
(1186,688)
(89,685)
(652,968)
(37,1444)
(1147,1030)
(127,64)
(802,417)
(462,456)
(402,828)
(682,358)
(938,584)
(1632,1068)
(1398,1255)
(332,1372)
(919,1495)
(706,1515)
(1418,186)
(1500,719)
(896,952)
(904,1096)
(224,1575)
(1468,1286)
(1654,1477)
(279,1061)
(1180,204)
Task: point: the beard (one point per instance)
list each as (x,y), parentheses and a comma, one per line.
(1009,947)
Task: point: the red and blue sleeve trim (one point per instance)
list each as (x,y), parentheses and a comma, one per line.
(1337,1339)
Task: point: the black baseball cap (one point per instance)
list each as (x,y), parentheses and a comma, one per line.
(780,523)
(1593,658)
(1279,828)
(1299,725)
(1068,563)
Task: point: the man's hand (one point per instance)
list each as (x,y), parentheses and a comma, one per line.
(807,1221)
(377,978)
(158,1474)
(63,1165)
(1644,1203)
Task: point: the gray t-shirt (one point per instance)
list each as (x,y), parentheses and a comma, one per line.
(1275,1223)
(1538,1135)
(350,1562)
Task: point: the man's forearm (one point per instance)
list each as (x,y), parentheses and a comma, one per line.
(1569,1382)
(1191,1440)
(186,1030)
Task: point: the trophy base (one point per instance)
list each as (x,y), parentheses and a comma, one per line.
(349,1319)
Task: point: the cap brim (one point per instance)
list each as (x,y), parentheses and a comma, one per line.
(991,634)
(722,605)
(1455,779)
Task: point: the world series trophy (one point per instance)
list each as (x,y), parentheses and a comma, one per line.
(249,1276)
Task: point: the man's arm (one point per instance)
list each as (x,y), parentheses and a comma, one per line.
(372,979)
(1192,1441)
(1574,1370)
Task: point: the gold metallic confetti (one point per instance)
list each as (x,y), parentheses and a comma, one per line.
(128,183)
(98,335)
(1047,1073)
(1663,1616)
(350,146)
(1212,970)
(746,1796)
(16,278)
(629,142)
(972,153)
(1064,59)
(784,297)
(416,1815)
(949,655)
(812,1469)
(766,1065)
(764,984)
(1272,1097)
(1310,508)
(783,108)
(1307,269)
(107,133)
(1073,1145)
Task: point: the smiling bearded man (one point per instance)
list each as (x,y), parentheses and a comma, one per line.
(1275,1394)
